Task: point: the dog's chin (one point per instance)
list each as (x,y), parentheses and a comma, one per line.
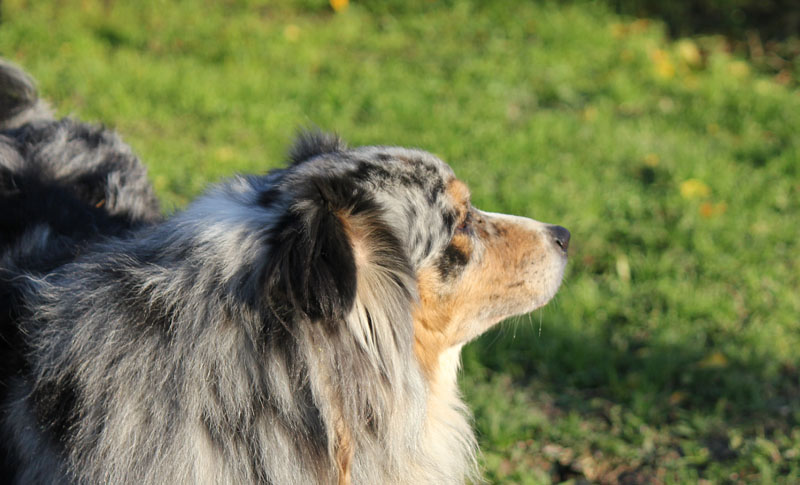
(543,288)
(551,284)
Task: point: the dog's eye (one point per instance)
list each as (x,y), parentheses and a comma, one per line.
(466,224)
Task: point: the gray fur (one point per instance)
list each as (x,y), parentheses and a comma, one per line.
(179,367)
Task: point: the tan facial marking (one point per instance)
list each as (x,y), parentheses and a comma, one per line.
(431,321)
(458,192)
(495,284)
(463,243)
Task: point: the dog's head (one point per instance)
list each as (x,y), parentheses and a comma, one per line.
(403,216)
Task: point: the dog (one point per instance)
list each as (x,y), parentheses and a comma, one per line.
(301,326)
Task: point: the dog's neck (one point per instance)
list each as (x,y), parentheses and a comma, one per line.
(447,436)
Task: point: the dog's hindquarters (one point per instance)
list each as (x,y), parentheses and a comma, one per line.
(61,181)
(19,102)
(63,186)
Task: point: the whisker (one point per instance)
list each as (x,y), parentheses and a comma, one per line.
(540,324)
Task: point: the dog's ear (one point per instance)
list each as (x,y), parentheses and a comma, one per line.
(312,266)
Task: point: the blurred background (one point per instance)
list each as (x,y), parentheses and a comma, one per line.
(664,135)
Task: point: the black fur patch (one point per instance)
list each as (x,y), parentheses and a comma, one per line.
(27,201)
(449,220)
(452,261)
(268,197)
(55,408)
(312,267)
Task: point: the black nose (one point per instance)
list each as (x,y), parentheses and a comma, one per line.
(560,236)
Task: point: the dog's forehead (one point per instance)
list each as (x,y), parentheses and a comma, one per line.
(415,180)
(407,158)
(392,167)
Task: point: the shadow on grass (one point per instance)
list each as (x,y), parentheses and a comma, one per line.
(765,32)
(772,19)
(656,381)
(571,405)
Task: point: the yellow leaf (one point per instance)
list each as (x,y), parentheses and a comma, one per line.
(662,63)
(589,113)
(339,5)
(714,360)
(651,160)
(639,25)
(225,153)
(689,53)
(739,69)
(619,30)
(708,210)
(694,189)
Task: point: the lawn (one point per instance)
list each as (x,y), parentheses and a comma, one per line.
(670,354)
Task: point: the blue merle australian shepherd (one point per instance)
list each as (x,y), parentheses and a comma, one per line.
(298,327)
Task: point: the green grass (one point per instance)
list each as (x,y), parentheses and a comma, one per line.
(670,354)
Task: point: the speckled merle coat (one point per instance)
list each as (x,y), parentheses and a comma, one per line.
(302,326)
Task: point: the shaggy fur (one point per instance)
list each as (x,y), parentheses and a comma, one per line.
(302,326)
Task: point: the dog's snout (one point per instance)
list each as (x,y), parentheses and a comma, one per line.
(560,236)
